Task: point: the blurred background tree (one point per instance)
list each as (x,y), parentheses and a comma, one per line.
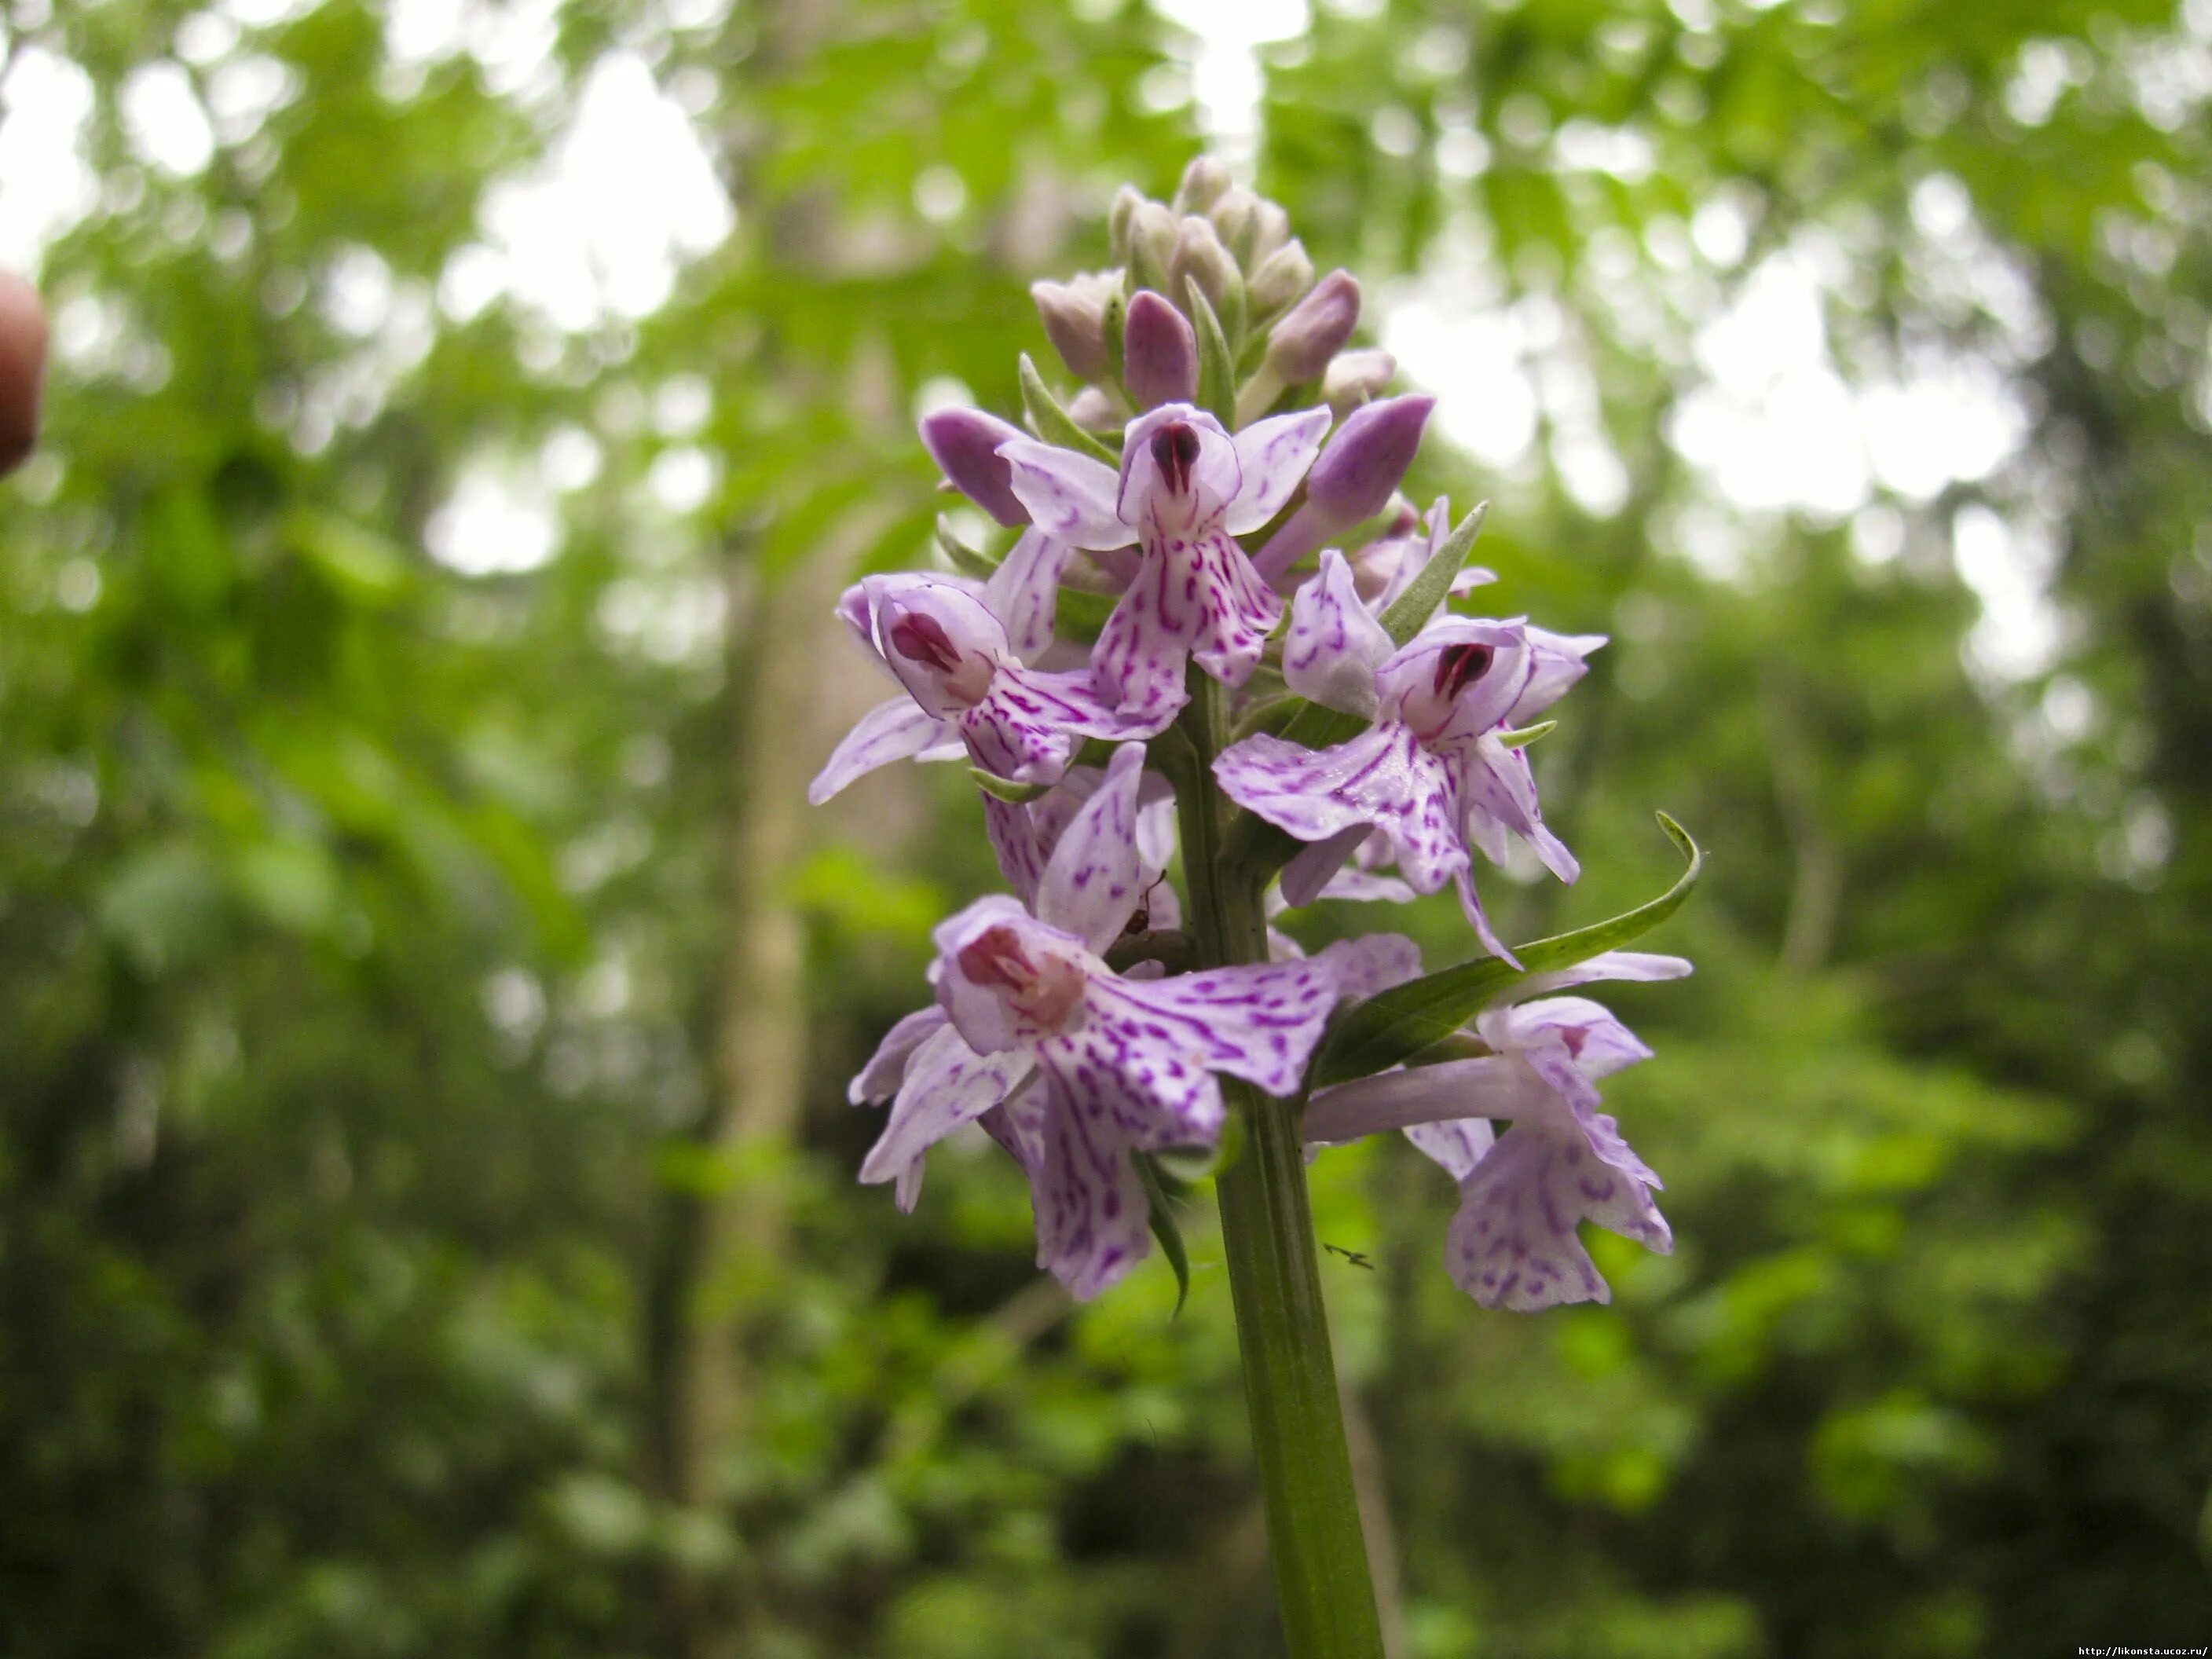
(426,1206)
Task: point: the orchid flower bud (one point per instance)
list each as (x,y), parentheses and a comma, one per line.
(1159,360)
(1271,228)
(1152,233)
(1362,463)
(1074,314)
(1280,278)
(964,443)
(1203,182)
(1199,256)
(1300,345)
(1097,410)
(1231,218)
(1352,480)
(1356,378)
(1126,201)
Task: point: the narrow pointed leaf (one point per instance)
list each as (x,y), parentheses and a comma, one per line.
(1006,789)
(1165,1228)
(965,559)
(1054,424)
(1217,373)
(1394,1028)
(1413,609)
(1527,734)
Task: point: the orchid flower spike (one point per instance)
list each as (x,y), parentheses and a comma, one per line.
(1185,491)
(1123,1064)
(968,689)
(1431,773)
(1513,1241)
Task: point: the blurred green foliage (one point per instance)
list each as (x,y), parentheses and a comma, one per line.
(361,918)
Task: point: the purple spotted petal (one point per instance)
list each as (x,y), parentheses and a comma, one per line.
(1513,1243)
(1095,879)
(1013,836)
(1458,1146)
(1070,497)
(878,1080)
(1194,596)
(1383,778)
(1093,1225)
(889,731)
(947,1083)
(1023,590)
(1027,728)
(1372,963)
(1555,664)
(1334,645)
(1258,1022)
(1496,785)
(1580,1033)
(1272,456)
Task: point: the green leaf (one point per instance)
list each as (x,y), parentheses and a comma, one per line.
(1006,789)
(1386,1031)
(1080,615)
(1527,734)
(965,559)
(1217,370)
(1411,610)
(1165,1228)
(1054,424)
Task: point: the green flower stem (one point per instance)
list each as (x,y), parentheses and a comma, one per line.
(1325,1591)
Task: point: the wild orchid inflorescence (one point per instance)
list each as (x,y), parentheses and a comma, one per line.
(1217,503)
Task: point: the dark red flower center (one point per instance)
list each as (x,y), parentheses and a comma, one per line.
(1459,666)
(922,639)
(1175,452)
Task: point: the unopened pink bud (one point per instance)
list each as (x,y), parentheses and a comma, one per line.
(1300,346)
(1280,278)
(964,444)
(1203,182)
(1364,463)
(1159,354)
(1356,378)
(1199,257)
(1074,316)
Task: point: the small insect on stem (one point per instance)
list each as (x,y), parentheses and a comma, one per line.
(1357,1258)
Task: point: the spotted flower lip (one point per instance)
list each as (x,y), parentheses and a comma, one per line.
(1431,772)
(1513,1242)
(968,689)
(1123,1065)
(1185,491)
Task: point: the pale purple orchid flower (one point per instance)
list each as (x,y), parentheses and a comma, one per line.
(1431,773)
(969,690)
(1186,491)
(1513,1242)
(1123,1064)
